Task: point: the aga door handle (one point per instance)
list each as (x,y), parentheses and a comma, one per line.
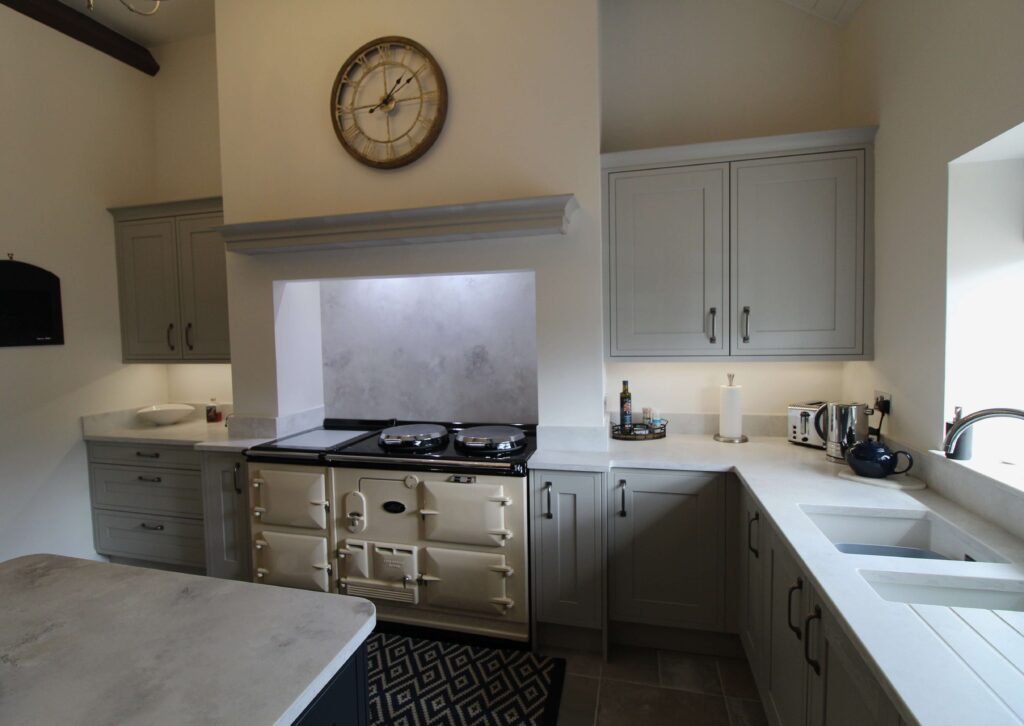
(188,336)
(750,539)
(622,510)
(799,586)
(170,330)
(746,323)
(547,493)
(713,338)
(813,663)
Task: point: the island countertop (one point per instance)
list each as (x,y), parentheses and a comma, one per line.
(85,642)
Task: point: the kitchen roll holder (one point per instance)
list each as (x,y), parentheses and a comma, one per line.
(742,438)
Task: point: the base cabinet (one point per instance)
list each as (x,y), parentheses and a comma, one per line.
(751,612)
(786,675)
(566,515)
(667,547)
(226,520)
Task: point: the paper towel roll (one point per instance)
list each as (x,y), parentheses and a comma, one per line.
(730,410)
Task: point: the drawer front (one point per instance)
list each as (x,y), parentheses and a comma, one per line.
(149,537)
(178,457)
(162,491)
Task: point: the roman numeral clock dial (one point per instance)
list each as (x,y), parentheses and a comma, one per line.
(389,102)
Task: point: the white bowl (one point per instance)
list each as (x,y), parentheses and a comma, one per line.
(163,414)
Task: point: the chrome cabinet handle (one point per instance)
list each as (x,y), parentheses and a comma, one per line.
(622,510)
(238,468)
(813,663)
(170,329)
(153,527)
(547,493)
(151,479)
(746,323)
(713,338)
(750,538)
(144,455)
(799,586)
(188,336)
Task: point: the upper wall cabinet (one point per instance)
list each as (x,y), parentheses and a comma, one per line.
(756,249)
(172,282)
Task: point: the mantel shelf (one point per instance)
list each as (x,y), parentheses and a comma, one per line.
(525,217)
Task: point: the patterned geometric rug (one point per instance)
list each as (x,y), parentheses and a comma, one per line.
(417,681)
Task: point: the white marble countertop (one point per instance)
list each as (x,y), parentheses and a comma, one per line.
(85,642)
(926,673)
(194,432)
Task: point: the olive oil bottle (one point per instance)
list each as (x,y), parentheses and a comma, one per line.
(626,409)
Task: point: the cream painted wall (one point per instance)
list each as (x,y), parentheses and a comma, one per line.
(523,120)
(687,71)
(985,293)
(78,137)
(939,78)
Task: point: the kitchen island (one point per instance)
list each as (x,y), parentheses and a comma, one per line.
(85,642)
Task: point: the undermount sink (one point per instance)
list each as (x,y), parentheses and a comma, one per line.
(947,590)
(914,533)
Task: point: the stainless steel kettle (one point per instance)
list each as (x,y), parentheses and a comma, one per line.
(841,425)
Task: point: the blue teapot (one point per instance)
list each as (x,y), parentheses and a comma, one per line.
(875,460)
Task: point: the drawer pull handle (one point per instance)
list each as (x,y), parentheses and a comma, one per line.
(746,324)
(713,338)
(622,510)
(153,527)
(151,479)
(547,493)
(750,538)
(799,586)
(148,454)
(188,336)
(813,663)
(238,468)
(170,329)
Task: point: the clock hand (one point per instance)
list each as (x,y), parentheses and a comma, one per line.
(390,94)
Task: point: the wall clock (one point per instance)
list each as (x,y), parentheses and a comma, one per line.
(389,102)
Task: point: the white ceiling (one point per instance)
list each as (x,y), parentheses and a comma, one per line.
(834,11)
(175,20)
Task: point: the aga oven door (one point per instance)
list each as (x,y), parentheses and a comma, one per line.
(290,497)
(467,581)
(292,560)
(471,513)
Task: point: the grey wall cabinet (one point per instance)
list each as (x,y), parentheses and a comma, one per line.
(669,262)
(566,524)
(147,504)
(172,281)
(797,239)
(752,611)
(226,516)
(652,513)
(754,249)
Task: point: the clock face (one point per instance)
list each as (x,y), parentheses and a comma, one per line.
(389,102)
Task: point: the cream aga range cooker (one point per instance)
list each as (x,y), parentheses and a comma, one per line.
(427,520)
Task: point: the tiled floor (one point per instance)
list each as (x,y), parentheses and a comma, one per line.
(656,687)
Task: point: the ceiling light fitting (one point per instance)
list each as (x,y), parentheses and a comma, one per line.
(152,11)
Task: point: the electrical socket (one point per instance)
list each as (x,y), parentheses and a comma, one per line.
(883,402)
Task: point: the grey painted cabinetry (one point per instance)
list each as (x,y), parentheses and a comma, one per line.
(788,601)
(751,612)
(226,520)
(669,260)
(147,504)
(172,281)
(652,513)
(755,249)
(566,524)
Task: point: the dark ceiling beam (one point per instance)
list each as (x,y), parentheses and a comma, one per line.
(81,27)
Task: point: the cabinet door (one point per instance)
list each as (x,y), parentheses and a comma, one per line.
(226,516)
(787,672)
(797,238)
(842,691)
(668,547)
(204,295)
(752,591)
(667,261)
(148,283)
(566,516)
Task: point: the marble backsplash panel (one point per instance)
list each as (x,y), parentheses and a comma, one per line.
(447,347)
